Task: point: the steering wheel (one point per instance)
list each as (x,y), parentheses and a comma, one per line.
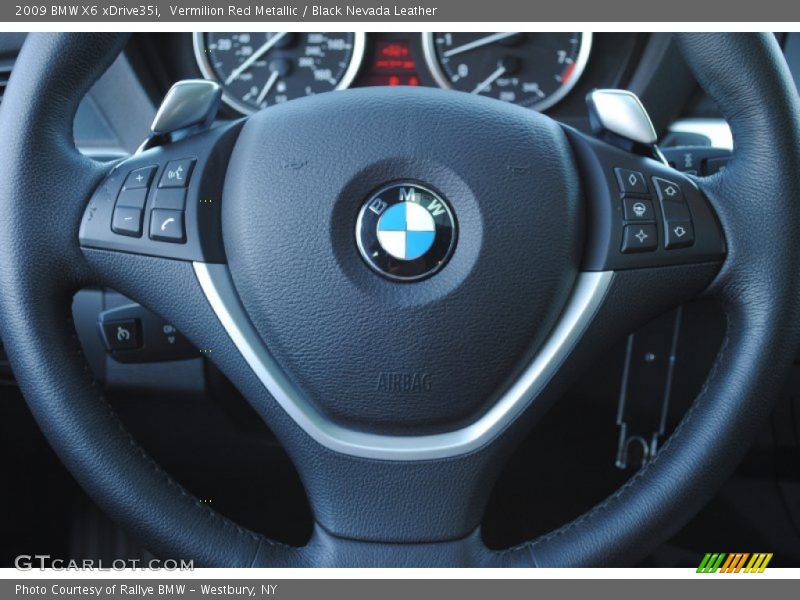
(399,375)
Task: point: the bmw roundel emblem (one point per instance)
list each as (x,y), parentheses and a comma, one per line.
(406,231)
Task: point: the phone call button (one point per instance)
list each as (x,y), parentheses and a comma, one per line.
(167,225)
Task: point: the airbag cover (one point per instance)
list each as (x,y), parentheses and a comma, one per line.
(388,356)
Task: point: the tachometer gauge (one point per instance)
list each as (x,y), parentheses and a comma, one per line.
(261,69)
(531,69)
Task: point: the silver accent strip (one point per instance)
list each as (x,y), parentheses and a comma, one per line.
(589,292)
(432,61)
(716,130)
(203,62)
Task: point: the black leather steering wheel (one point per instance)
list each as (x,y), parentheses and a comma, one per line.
(269,279)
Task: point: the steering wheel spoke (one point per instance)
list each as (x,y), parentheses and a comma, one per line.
(152,217)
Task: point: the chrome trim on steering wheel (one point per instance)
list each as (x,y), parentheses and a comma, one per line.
(589,292)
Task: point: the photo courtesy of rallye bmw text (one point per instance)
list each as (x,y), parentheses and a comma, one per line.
(395,311)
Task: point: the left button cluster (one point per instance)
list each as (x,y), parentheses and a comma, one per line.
(164,201)
(169,202)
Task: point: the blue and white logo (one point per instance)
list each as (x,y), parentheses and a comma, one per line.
(405,231)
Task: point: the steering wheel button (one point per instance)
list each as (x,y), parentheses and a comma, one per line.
(638,209)
(134,198)
(127,221)
(171,198)
(639,238)
(668,190)
(177,173)
(678,234)
(121,335)
(631,182)
(140,178)
(167,225)
(673,202)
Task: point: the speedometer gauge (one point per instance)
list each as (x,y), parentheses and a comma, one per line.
(531,69)
(261,69)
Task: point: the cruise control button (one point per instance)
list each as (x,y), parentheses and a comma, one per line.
(635,209)
(631,182)
(177,173)
(172,198)
(127,220)
(678,234)
(639,238)
(166,225)
(134,198)
(122,334)
(139,178)
(673,202)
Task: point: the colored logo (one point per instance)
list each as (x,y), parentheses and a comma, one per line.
(736,562)
(406,231)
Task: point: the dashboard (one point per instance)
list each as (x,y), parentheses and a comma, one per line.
(548,72)
(257,70)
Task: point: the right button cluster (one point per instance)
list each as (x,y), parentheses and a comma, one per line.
(678,227)
(640,232)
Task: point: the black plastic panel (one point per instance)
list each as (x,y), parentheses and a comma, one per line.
(694,160)
(598,163)
(158,366)
(203,240)
(158,340)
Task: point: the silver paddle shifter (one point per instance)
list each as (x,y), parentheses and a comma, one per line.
(190,106)
(619,118)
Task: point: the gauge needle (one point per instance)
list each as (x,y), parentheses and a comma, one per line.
(267,87)
(484,41)
(489,80)
(265,47)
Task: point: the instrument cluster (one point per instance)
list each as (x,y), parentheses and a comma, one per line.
(258,69)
